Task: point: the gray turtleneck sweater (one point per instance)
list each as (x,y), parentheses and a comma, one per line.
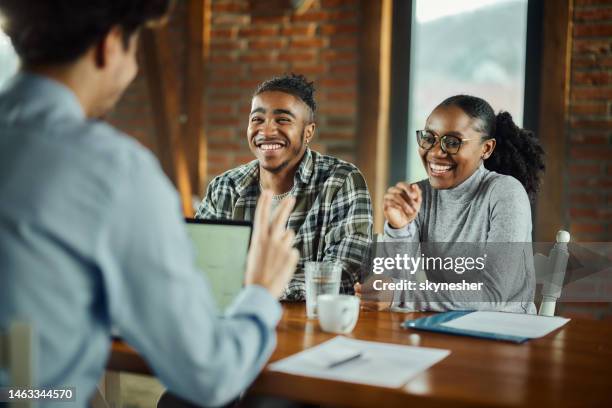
(490,210)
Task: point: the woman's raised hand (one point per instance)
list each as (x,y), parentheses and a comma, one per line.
(402,203)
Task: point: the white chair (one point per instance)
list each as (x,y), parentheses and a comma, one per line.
(552,270)
(18,358)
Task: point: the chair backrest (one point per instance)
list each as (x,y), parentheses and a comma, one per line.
(552,269)
(17,357)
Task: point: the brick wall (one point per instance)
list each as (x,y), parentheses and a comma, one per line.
(589,177)
(247,49)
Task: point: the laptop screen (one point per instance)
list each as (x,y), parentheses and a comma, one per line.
(221,251)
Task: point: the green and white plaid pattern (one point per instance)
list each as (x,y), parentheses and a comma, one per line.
(332,218)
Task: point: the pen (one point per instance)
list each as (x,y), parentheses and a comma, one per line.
(346,360)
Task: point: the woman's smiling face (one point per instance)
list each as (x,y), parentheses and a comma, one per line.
(446,170)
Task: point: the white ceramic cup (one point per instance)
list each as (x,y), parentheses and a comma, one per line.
(338,313)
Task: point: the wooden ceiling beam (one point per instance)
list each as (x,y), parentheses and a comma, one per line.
(165,96)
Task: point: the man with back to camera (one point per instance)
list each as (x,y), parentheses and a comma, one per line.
(333,213)
(78,252)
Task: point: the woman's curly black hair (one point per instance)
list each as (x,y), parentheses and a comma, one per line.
(517,153)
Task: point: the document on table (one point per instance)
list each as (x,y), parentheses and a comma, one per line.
(512,324)
(364,362)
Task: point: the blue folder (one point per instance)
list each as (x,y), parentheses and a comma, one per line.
(434,323)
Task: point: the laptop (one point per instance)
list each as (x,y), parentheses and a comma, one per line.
(221,252)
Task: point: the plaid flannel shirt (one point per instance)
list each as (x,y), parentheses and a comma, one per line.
(332,217)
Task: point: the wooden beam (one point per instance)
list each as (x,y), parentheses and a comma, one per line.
(554,103)
(198,50)
(374,100)
(164,93)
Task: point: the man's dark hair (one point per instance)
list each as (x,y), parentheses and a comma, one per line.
(50,32)
(292,84)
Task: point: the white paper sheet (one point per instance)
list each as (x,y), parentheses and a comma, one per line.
(514,324)
(380,364)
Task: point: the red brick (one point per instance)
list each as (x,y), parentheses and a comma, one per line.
(259,57)
(589,109)
(258,31)
(299,30)
(592,78)
(230,19)
(340,121)
(339,55)
(337,82)
(222,33)
(591,153)
(243,158)
(225,46)
(579,3)
(314,16)
(218,159)
(222,58)
(337,135)
(218,146)
(584,213)
(343,69)
(296,56)
(591,123)
(349,95)
(593,14)
(217,109)
(307,43)
(344,15)
(249,83)
(593,30)
(224,120)
(307,69)
(266,71)
(331,29)
(266,44)
(343,41)
(581,138)
(220,134)
(579,93)
(584,61)
(586,199)
(598,183)
(586,227)
(338,109)
(592,46)
(336,3)
(228,8)
(263,19)
(582,170)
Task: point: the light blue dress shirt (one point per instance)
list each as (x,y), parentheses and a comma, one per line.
(91,236)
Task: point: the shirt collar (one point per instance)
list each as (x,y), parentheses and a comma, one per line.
(249,174)
(30,94)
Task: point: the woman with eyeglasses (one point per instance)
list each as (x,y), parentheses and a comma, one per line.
(483,171)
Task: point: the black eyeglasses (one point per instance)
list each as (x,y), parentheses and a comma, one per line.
(449,144)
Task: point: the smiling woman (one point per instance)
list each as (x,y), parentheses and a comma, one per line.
(482,171)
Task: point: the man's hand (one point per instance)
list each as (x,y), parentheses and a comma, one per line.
(272,258)
(401,204)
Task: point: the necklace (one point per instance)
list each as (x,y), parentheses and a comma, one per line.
(277,197)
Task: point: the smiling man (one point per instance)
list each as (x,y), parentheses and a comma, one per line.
(332,216)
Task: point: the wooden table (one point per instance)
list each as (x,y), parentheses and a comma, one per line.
(572,366)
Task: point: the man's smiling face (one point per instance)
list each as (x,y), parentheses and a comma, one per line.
(279,127)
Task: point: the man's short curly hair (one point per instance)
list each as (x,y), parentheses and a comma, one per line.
(292,84)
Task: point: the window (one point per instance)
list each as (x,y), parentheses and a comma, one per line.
(9,61)
(473,47)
